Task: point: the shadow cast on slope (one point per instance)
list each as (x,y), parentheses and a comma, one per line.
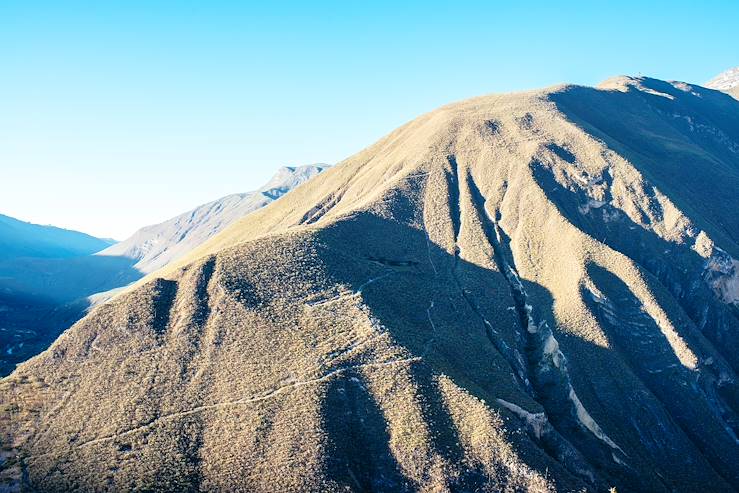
(675,273)
(453,320)
(437,306)
(41,297)
(358,455)
(671,267)
(691,154)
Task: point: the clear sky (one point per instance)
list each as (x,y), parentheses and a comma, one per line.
(119,114)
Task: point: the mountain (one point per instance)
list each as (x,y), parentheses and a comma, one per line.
(31,254)
(725,80)
(41,297)
(517,292)
(23,239)
(155,246)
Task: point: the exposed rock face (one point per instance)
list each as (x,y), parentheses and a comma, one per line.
(519,292)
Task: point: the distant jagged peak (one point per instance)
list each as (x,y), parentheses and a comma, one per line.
(156,245)
(725,80)
(290,176)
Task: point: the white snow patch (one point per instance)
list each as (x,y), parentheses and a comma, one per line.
(596,294)
(530,323)
(729,286)
(611,216)
(551,345)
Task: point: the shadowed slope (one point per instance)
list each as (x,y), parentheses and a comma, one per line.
(41,297)
(509,293)
(44,271)
(22,239)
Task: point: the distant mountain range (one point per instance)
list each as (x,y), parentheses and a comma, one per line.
(23,239)
(155,246)
(49,276)
(38,265)
(535,291)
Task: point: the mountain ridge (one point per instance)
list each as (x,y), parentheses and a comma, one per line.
(156,245)
(40,297)
(25,239)
(529,291)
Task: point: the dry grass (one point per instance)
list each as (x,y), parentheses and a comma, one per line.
(506,294)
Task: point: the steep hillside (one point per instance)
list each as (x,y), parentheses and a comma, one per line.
(23,239)
(34,256)
(155,246)
(41,297)
(526,292)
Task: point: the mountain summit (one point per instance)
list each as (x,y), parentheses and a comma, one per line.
(522,292)
(725,80)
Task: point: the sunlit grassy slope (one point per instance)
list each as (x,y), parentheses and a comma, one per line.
(531,291)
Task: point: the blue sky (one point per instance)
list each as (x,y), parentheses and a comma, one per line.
(119,114)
